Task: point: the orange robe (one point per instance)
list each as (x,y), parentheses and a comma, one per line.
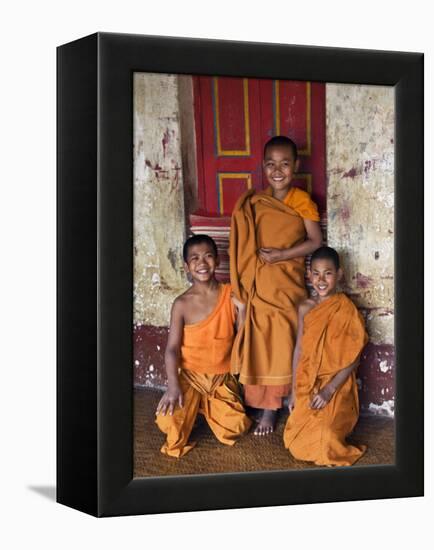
(333,338)
(206,383)
(263,350)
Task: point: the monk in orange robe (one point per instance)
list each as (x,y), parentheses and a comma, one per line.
(271,233)
(324,405)
(198,357)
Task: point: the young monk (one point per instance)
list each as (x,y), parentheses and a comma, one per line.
(198,355)
(323,403)
(271,233)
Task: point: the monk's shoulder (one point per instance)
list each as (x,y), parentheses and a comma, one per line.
(242,200)
(305,307)
(300,195)
(347,302)
(182,302)
(225,291)
(350,310)
(302,203)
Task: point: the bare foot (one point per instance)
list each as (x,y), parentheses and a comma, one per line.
(254,414)
(266,424)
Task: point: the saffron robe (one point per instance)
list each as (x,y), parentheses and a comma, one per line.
(263,349)
(206,384)
(333,338)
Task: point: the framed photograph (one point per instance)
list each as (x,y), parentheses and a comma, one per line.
(158,140)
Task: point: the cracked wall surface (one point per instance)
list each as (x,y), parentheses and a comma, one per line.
(159,223)
(360,209)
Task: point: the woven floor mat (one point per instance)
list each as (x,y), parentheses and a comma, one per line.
(250,454)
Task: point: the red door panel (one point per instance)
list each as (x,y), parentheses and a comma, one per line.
(234,118)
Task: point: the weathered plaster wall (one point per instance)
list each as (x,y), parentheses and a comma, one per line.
(159,227)
(360,208)
(159,224)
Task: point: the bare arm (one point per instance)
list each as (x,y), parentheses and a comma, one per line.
(241,312)
(321,399)
(302,310)
(173,396)
(310,244)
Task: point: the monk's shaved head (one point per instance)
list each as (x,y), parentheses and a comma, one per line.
(198,239)
(326,253)
(281,141)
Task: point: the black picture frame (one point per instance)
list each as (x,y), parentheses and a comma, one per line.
(95,274)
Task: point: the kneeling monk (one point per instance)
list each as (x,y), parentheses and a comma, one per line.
(200,343)
(323,404)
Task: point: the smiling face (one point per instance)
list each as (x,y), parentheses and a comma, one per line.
(324,277)
(201,262)
(279,167)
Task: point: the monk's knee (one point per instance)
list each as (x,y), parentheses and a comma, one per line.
(164,422)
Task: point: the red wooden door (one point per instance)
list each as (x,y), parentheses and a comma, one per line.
(234,117)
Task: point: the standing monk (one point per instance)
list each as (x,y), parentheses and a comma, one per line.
(271,233)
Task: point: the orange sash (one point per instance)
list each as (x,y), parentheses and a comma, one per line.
(207,345)
(263,350)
